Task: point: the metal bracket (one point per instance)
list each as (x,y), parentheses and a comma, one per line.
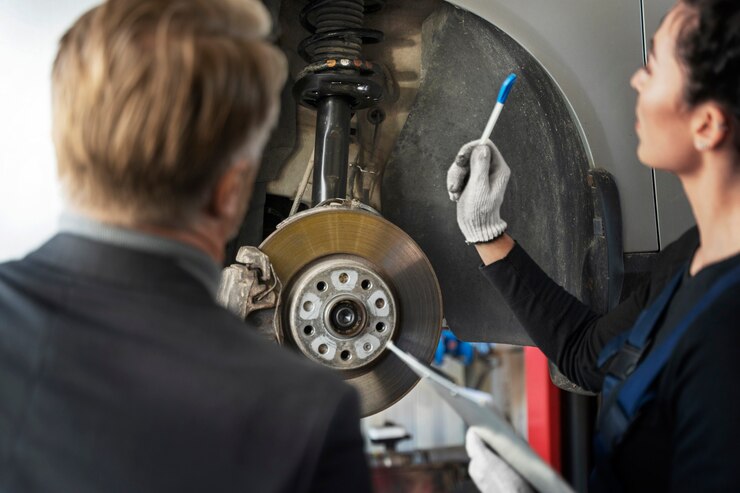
(249,287)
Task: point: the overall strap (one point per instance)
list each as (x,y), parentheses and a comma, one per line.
(625,351)
(626,396)
(622,357)
(631,395)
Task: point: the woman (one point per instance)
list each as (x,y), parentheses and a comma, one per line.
(671,423)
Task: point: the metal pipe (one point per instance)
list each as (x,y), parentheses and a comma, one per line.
(331,156)
(579,416)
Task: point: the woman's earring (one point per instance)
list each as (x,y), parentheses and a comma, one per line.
(701,145)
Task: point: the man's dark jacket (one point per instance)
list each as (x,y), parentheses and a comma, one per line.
(118,372)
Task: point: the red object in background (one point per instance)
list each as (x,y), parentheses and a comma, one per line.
(543,408)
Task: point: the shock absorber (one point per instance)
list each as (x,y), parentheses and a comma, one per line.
(336,82)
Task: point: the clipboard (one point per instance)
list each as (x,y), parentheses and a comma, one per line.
(474,407)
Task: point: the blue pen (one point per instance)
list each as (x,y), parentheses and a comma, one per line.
(502,95)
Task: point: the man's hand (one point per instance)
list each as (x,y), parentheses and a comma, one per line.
(479,199)
(489,472)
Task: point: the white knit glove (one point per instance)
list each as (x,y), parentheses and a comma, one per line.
(489,472)
(479,200)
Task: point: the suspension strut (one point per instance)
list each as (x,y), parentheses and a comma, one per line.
(336,82)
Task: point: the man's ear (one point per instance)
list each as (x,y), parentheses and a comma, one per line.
(227,199)
(709,126)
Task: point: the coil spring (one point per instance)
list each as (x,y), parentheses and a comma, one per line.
(336,27)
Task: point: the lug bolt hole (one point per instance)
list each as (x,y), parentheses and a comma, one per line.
(321,286)
(366,284)
(380,303)
(308,330)
(323,348)
(345,355)
(343,278)
(380,327)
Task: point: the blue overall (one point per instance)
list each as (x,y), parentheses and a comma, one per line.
(629,381)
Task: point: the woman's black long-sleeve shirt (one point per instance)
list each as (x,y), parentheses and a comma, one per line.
(688,437)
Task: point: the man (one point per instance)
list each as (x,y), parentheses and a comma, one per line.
(118,371)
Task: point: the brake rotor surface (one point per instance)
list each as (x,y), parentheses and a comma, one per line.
(352,281)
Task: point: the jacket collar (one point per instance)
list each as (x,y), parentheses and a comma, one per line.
(86,258)
(195,262)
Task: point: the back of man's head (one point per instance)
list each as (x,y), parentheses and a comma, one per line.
(154,99)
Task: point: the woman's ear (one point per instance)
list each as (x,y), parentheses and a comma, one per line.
(709,126)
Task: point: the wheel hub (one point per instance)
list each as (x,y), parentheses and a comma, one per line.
(342,312)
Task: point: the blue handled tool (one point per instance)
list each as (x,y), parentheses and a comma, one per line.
(503,93)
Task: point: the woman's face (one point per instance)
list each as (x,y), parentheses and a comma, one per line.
(663,117)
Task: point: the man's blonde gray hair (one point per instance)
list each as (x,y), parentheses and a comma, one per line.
(152,99)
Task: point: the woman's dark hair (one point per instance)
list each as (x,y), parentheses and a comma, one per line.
(709,47)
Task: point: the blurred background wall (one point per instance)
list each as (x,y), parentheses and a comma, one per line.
(29,198)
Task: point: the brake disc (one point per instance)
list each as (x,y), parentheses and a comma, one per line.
(352,281)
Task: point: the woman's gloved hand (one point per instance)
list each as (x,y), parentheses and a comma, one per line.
(489,472)
(477,182)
